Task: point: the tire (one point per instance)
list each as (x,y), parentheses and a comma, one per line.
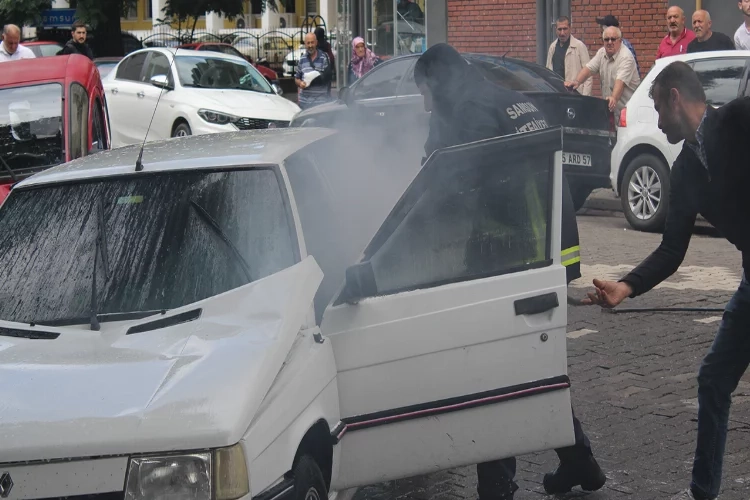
(308,480)
(182,130)
(579,194)
(644,193)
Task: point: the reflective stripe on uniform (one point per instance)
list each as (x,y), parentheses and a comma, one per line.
(571,255)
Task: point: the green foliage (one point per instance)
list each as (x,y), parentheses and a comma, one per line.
(22,12)
(95,12)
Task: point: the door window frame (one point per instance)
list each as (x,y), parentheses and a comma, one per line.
(127,60)
(147,64)
(743,76)
(381,67)
(76,87)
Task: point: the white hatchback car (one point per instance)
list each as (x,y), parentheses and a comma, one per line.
(642,157)
(215,325)
(201,93)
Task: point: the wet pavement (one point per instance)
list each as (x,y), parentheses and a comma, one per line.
(633,376)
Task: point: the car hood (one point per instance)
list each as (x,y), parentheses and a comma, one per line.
(243,103)
(194,385)
(323,112)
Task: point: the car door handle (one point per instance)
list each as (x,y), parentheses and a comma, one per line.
(536,305)
(114,91)
(141,94)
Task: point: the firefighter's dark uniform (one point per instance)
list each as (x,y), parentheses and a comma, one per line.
(467,108)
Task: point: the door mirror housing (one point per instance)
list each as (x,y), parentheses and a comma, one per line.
(276,88)
(360,282)
(345,95)
(161,81)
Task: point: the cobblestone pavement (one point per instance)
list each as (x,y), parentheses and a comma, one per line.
(633,377)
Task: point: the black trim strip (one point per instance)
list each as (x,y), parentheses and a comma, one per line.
(281,491)
(177,319)
(449,405)
(28,334)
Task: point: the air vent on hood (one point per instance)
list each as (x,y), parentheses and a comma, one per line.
(28,334)
(165,322)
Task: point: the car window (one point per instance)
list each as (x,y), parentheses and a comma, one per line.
(49,50)
(408,84)
(79,121)
(98,128)
(382,81)
(467,215)
(210,71)
(171,239)
(158,64)
(720,78)
(131,67)
(511,75)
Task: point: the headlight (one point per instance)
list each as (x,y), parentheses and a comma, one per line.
(217,117)
(189,476)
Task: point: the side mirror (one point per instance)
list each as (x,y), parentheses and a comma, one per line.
(161,81)
(277,89)
(360,282)
(345,95)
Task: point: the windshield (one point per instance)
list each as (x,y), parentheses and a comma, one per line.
(171,240)
(212,72)
(31,128)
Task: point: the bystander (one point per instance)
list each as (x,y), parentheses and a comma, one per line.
(316,89)
(568,55)
(678,38)
(705,38)
(77,43)
(742,35)
(11,49)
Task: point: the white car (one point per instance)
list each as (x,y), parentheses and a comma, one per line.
(209,326)
(292,59)
(198,92)
(642,157)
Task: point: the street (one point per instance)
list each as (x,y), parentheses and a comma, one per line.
(633,375)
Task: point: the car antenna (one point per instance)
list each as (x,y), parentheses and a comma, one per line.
(138,161)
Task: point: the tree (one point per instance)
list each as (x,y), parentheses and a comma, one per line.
(104,18)
(184,11)
(21,12)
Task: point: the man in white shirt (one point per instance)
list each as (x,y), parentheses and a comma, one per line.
(568,55)
(742,35)
(10,49)
(616,69)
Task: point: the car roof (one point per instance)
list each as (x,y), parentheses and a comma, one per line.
(178,52)
(54,68)
(40,42)
(245,148)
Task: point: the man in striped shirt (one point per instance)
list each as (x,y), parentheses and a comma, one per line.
(318,90)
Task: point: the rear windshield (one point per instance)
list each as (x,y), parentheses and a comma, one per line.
(515,76)
(170,240)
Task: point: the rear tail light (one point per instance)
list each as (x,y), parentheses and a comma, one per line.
(623,118)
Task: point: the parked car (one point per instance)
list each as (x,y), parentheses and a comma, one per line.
(292,59)
(106,64)
(49,114)
(387,99)
(643,157)
(43,49)
(201,93)
(225,48)
(182,331)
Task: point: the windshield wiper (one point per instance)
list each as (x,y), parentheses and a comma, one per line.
(99,250)
(102,318)
(206,217)
(10,170)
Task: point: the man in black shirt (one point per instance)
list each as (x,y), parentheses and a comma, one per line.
(465,107)
(705,38)
(77,44)
(710,177)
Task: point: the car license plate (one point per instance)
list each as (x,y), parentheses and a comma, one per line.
(577,159)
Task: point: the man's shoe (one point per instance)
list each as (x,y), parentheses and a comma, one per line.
(585,473)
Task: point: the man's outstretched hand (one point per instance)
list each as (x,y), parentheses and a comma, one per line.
(608,293)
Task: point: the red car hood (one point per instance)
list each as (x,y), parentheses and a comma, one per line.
(4,191)
(266,72)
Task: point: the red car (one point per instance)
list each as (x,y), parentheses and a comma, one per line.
(50,113)
(225,48)
(43,49)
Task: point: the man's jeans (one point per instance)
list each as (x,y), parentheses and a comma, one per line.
(495,479)
(718,377)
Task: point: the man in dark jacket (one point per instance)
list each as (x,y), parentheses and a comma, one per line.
(465,107)
(77,44)
(710,177)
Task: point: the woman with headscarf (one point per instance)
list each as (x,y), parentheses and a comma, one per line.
(363,60)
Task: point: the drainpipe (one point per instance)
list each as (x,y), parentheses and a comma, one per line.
(698,5)
(541,30)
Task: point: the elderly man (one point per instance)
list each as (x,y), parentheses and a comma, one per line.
(568,55)
(316,90)
(742,35)
(705,38)
(616,68)
(678,38)
(10,49)
(610,20)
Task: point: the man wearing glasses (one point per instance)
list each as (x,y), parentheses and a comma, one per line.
(615,67)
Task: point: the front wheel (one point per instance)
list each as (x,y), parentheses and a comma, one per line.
(308,480)
(644,193)
(182,130)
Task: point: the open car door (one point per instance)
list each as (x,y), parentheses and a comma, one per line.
(449,335)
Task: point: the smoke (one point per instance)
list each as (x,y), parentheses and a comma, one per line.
(346,184)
